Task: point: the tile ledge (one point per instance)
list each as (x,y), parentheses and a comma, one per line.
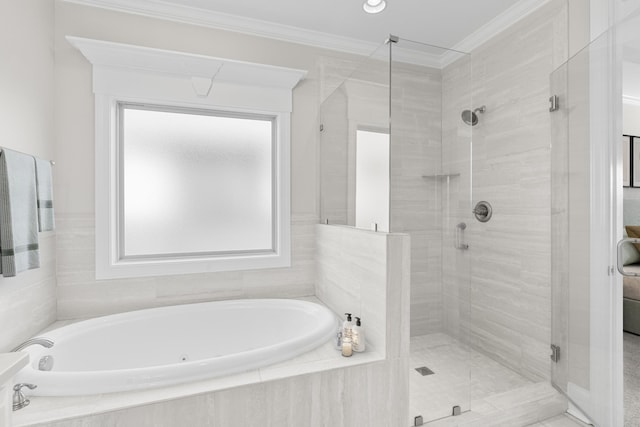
(10,364)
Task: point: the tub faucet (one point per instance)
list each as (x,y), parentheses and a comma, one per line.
(19,400)
(38,340)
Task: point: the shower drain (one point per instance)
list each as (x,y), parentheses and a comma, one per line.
(423,370)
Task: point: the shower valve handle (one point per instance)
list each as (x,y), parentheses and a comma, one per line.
(483,211)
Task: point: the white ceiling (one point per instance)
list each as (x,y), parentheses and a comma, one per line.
(442,23)
(342,24)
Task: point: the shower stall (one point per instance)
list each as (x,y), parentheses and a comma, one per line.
(467,153)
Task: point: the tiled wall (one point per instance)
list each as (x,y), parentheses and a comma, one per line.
(456,190)
(81,296)
(366,273)
(362,99)
(508,290)
(372,395)
(416,202)
(28,300)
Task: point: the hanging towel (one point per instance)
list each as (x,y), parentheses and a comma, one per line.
(44,186)
(18,213)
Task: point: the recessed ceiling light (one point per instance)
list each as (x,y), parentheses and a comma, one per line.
(374,6)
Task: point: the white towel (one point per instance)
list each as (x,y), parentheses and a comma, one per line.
(44,186)
(18,213)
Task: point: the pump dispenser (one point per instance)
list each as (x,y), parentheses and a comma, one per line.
(347,327)
(357,336)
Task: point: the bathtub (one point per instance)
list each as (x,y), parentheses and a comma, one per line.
(177,344)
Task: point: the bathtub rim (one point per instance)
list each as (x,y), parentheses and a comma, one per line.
(167,374)
(44,409)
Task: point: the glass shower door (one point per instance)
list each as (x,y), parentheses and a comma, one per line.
(585,186)
(431,201)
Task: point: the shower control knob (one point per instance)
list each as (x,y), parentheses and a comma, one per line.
(482,211)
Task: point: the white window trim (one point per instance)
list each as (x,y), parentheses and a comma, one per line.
(126,73)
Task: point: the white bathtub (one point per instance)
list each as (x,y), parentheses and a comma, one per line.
(177,344)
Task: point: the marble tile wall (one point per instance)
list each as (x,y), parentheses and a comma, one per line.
(456,194)
(351,276)
(28,300)
(366,273)
(416,201)
(508,291)
(373,395)
(81,296)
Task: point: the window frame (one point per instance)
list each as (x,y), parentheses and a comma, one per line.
(109,263)
(140,75)
(120,209)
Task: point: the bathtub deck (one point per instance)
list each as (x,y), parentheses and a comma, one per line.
(324,357)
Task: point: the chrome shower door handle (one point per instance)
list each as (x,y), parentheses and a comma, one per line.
(620,260)
(459,229)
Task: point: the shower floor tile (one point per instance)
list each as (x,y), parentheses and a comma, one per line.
(461,376)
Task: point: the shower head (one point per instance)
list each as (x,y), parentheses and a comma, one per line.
(470,117)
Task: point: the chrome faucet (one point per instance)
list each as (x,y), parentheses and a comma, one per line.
(38,340)
(19,400)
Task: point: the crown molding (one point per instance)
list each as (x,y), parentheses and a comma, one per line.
(223,21)
(498,24)
(196,16)
(416,57)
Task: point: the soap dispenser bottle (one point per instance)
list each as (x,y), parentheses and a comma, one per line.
(347,327)
(357,336)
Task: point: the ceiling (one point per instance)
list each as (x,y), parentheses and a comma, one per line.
(442,23)
(342,24)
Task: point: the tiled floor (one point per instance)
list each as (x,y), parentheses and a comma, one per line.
(461,375)
(560,421)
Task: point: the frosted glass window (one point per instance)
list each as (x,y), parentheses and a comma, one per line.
(195,182)
(372,180)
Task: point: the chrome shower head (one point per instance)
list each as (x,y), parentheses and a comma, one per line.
(470,117)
